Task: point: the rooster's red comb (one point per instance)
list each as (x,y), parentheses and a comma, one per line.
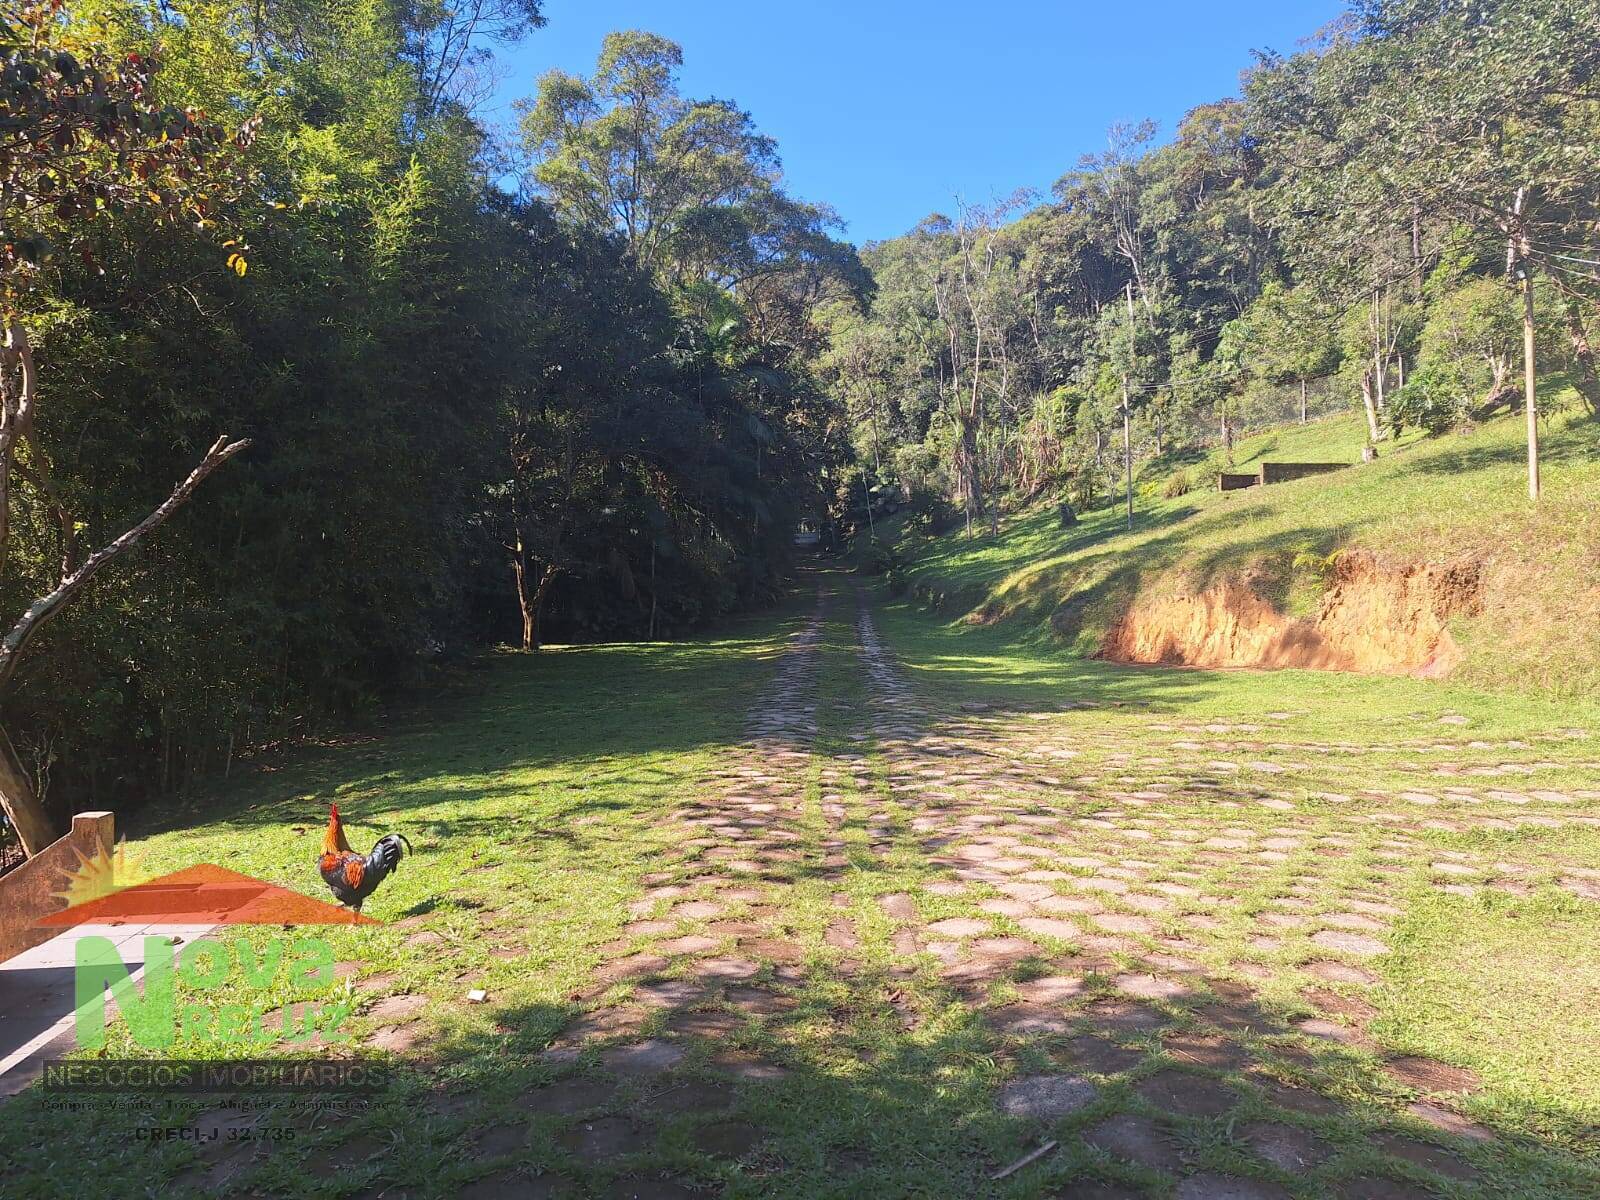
(333,811)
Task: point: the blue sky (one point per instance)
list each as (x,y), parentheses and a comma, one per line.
(887,109)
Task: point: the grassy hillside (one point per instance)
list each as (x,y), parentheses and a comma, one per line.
(1432,499)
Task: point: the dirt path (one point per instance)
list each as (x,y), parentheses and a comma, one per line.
(1167,957)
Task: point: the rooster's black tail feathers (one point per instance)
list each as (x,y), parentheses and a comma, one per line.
(386,855)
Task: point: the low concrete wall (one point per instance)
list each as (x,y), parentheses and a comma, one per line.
(28,892)
(1229,482)
(1275,472)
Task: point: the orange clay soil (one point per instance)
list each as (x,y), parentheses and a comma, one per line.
(1373,619)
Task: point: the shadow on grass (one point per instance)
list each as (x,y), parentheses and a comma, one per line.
(831,1074)
(840,1078)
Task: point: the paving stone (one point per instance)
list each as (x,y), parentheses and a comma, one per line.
(1029,1020)
(900,906)
(1298,1099)
(1046,1097)
(568,1097)
(1098,1191)
(1002,947)
(1287,1147)
(1211,1186)
(1423,1154)
(723,970)
(508,1184)
(678,1096)
(668,993)
(499,1140)
(1430,1077)
(606,1137)
(1449,1122)
(1136,1139)
(397,1039)
(605,1023)
(1122,1017)
(1186,1095)
(1350,943)
(643,1057)
(1123,923)
(1051,988)
(1338,972)
(958,927)
(1376,1187)
(1069,904)
(1007,908)
(1219,1054)
(1101,1056)
(727,1139)
(1150,987)
(394,1009)
(749,1067)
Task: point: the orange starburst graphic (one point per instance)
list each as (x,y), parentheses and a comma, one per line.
(100,874)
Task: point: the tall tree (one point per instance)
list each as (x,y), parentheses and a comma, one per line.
(1440,113)
(82,134)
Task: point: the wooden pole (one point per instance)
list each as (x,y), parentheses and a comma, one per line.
(1127,416)
(1529,397)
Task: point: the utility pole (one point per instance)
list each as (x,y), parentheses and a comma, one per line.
(1519,260)
(1127,415)
(1529,396)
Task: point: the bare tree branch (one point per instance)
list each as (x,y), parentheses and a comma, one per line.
(46,606)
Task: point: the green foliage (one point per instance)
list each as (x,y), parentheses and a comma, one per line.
(1319,564)
(441,383)
(1433,400)
(1281,252)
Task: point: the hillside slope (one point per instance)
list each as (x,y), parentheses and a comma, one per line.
(1430,560)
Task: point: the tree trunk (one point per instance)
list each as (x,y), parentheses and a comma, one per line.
(1302,402)
(1373,431)
(519,572)
(534,633)
(1127,449)
(23,808)
(967,468)
(1586,377)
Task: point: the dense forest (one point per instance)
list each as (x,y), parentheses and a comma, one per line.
(558,380)
(1367,224)
(582,379)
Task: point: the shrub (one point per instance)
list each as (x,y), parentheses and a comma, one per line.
(1179,483)
(1433,399)
(931,514)
(876,559)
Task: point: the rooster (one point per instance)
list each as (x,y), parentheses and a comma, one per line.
(349,876)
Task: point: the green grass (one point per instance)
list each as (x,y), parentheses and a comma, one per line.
(544,794)
(1424,500)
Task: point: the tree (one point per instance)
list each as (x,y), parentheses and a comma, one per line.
(80,135)
(1475,115)
(625,150)
(445,43)
(1287,338)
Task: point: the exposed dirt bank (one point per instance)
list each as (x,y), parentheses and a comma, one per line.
(1372,619)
